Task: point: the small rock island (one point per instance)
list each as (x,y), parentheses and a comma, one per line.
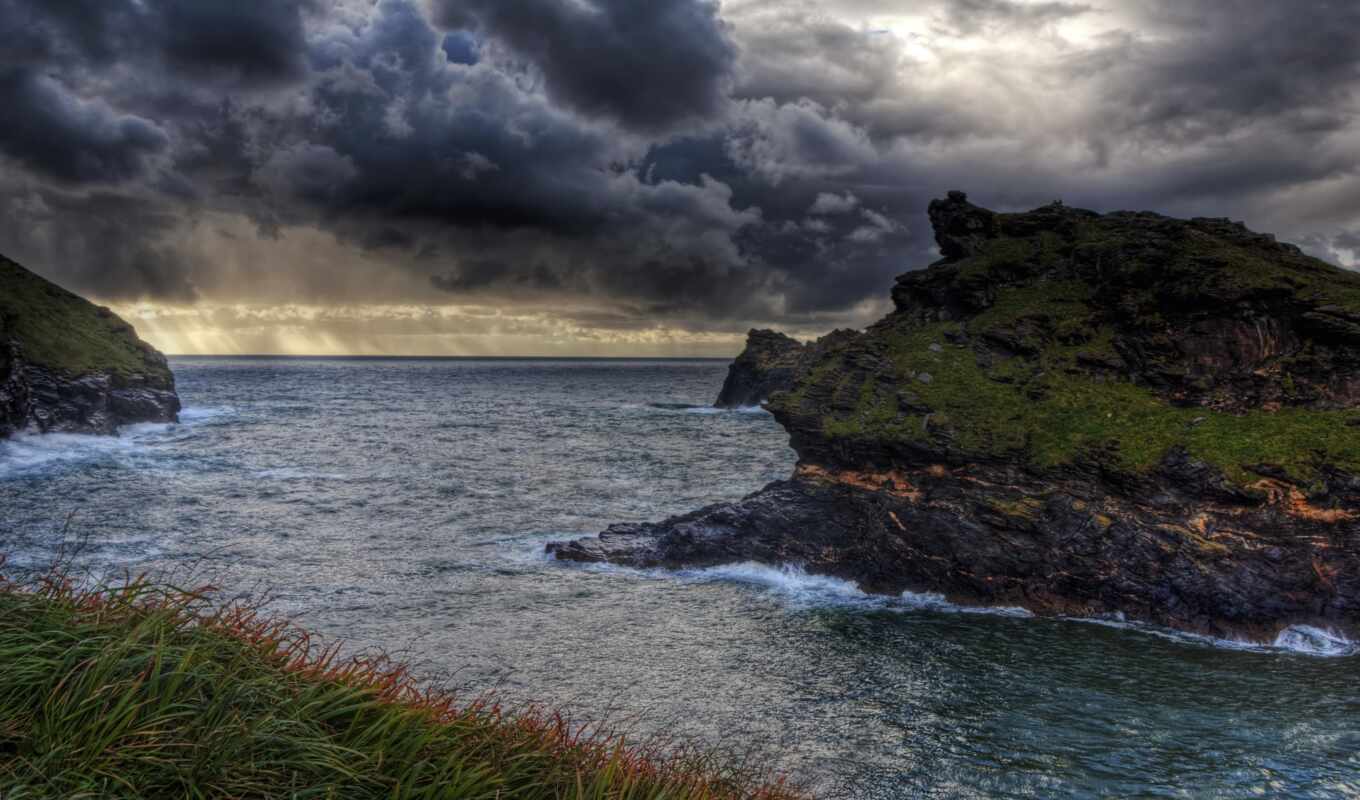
(69,366)
(1076,413)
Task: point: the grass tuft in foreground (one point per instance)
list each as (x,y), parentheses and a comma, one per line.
(142,690)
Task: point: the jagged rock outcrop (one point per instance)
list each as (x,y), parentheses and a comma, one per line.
(67,365)
(767,365)
(1079,414)
(771,363)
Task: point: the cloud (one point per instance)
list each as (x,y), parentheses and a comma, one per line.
(70,138)
(796,51)
(1206,68)
(222,41)
(678,165)
(985,17)
(649,65)
(231,40)
(876,227)
(797,141)
(113,245)
(310,172)
(828,203)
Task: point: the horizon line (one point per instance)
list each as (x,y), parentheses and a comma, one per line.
(450,357)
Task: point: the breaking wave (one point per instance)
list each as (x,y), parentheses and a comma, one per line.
(689,408)
(33,454)
(806,590)
(801,589)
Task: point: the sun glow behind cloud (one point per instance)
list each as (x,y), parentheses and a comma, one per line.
(403,330)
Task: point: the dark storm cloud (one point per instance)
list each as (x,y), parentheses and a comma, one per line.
(475,274)
(56,133)
(227,41)
(649,64)
(629,164)
(464,160)
(240,41)
(408,136)
(110,244)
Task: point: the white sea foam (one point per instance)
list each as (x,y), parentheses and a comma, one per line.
(191,415)
(715,410)
(791,582)
(704,410)
(1312,641)
(803,590)
(30,453)
(936,602)
(1297,639)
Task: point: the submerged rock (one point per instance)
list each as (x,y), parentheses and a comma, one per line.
(1078,414)
(67,365)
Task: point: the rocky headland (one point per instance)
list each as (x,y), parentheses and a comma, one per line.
(771,363)
(1076,413)
(767,365)
(67,365)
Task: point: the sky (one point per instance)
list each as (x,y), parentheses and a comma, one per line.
(626,177)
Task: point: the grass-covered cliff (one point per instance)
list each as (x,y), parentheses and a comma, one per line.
(1059,334)
(145,691)
(1076,413)
(69,365)
(66,333)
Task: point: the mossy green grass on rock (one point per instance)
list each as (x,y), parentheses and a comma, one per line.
(66,333)
(1048,413)
(1030,370)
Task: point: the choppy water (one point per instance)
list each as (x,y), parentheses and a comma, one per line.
(405,503)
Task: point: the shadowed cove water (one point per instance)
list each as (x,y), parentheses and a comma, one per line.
(406,503)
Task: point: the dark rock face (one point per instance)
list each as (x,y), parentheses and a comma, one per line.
(1057,545)
(95,403)
(767,365)
(1078,414)
(771,363)
(71,367)
(14,394)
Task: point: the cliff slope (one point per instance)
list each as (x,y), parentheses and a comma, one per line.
(1080,414)
(68,365)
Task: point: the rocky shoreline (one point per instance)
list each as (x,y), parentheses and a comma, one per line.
(1077,414)
(68,366)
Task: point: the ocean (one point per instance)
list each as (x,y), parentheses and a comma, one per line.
(405,503)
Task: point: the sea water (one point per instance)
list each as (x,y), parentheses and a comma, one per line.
(405,504)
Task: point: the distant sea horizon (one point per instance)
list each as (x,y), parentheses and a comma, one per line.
(296,357)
